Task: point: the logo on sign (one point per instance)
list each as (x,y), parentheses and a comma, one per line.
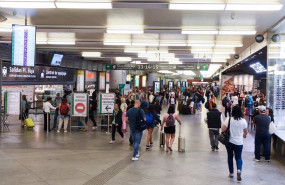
(4,71)
(80,107)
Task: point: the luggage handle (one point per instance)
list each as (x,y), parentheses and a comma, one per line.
(179,130)
(24,116)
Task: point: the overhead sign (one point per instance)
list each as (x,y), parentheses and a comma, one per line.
(106,103)
(80,105)
(23,45)
(151,67)
(37,73)
(12,103)
(204,67)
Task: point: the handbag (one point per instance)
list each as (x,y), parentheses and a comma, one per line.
(225,136)
(272,128)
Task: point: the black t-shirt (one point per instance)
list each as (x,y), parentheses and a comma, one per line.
(262,122)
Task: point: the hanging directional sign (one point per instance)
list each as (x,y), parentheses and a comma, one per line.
(150,67)
(106,103)
(204,67)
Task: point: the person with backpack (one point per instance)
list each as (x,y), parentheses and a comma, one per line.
(117,123)
(226,102)
(168,124)
(238,131)
(64,117)
(136,119)
(24,110)
(57,102)
(214,120)
(151,117)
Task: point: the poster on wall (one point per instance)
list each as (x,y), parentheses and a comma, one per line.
(156,87)
(107,77)
(12,103)
(137,81)
(80,104)
(227,84)
(27,90)
(80,81)
(102,81)
(178,84)
(187,84)
(184,84)
(170,85)
(107,88)
(144,81)
(90,76)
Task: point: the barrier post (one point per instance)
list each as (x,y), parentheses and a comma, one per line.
(108,123)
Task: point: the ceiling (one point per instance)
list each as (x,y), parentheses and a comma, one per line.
(87,27)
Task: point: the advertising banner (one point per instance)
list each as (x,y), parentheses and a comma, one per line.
(12,103)
(80,104)
(106,103)
(156,87)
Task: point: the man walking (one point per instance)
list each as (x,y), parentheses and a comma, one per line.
(262,135)
(227,104)
(136,135)
(214,120)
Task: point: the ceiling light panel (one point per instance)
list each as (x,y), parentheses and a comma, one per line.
(145,44)
(125,31)
(200,32)
(91,54)
(83,5)
(229,45)
(260,6)
(237,32)
(117,43)
(197,6)
(123,59)
(27,4)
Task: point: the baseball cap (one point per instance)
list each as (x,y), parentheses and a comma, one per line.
(262,108)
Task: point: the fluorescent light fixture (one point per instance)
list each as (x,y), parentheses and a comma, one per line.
(173,44)
(91,54)
(27,4)
(61,42)
(137,62)
(165,71)
(201,44)
(111,43)
(41,42)
(84,5)
(134,50)
(196,6)
(237,32)
(188,72)
(145,44)
(123,59)
(218,60)
(5,29)
(254,6)
(125,31)
(224,52)
(212,56)
(175,63)
(258,68)
(229,45)
(200,32)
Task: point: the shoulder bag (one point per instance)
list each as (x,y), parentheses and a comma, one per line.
(225,136)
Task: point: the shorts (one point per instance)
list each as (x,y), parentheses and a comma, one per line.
(169,130)
(192,104)
(150,125)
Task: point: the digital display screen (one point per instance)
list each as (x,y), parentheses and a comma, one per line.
(23,45)
(56,60)
(258,68)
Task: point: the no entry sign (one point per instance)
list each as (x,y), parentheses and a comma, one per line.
(80,104)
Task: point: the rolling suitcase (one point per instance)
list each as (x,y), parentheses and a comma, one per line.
(29,122)
(162,139)
(181,142)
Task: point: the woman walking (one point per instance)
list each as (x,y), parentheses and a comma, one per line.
(124,107)
(117,123)
(169,126)
(151,117)
(238,131)
(64,114)
(24,110)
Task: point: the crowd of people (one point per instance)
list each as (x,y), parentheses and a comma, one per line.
(142,111)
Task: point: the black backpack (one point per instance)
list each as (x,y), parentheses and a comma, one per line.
(207,105)
(225,101)
(140,124)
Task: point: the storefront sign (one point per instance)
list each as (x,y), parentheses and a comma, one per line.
(151,67)
(12,103)
(106,103)
(80,105)
(37,73)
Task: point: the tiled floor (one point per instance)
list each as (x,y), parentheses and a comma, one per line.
(35,158)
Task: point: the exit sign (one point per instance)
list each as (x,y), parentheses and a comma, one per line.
(204,67)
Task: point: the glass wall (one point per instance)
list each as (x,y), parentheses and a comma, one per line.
(276,73)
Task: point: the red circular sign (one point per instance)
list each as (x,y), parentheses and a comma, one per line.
(80,107)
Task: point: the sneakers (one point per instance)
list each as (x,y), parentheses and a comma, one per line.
(65,131)
(256,160)
(147,147)
(151,144)
(213,149)
(268,161)
(138,156)
(135,159)
(217,148)
(239,177)
(112,142)
(58,131)
(94,128)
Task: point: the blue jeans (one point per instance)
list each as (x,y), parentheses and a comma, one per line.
(236,150)
(136,137)
(55,118)
(198,105)
(263,139)
(249,109)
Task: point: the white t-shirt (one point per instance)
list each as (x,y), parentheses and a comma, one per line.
(235,100)
(150,98)
(236,130)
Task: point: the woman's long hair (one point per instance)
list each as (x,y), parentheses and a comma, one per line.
(237,113)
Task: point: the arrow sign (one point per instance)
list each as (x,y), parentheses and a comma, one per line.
(107,108)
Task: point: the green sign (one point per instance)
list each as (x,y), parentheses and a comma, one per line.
(165,77)
(204,67)
(201,78)
(109,67)
(121,87)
